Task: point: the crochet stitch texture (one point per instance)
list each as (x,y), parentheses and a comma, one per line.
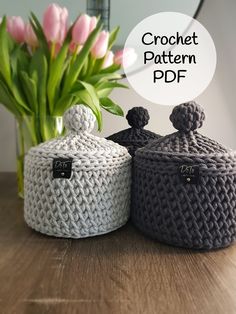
(136,136)
(200,215)
(96,198)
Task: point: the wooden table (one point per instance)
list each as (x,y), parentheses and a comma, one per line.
(122,272)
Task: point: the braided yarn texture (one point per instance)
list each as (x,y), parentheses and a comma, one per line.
(95,200)
(187,117)
(200,215)
(136,136)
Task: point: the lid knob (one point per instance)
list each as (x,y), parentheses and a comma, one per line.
(137,117)
(187,117)
(79,118)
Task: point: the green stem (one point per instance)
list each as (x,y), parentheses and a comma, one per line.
(90,67)
(53,49)
(84,70)
(75,54)
(30,125)
(98,65)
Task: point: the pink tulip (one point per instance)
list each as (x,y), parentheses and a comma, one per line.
(55,23)
(108,61)
(75,48)
(125,57)
(64,25)
(16,28)
(81,29)
(100,47)
(30,37)
(93,24)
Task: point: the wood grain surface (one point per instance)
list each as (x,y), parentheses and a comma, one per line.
(122,272)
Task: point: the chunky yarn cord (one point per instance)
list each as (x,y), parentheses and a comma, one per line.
(136,136)
(200,215)
(96,198)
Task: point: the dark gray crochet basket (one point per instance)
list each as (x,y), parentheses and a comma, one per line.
(184,186)
(136,136)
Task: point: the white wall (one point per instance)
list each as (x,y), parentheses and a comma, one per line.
(219,17)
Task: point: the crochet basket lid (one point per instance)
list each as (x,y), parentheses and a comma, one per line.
(79,121)
(186,118)
(137,118)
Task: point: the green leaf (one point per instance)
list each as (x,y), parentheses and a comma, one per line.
(98,78)
(11,43)
(23,60)
(33,67)
(56,72)
(77,87)
(38,73)
(111,69)
(89,97)
(19,58)
(84,70)
(5,68)
(75,69)
(8,100)
(105,88)
(109,84)
(41,68)
(30,90)
(42,95)
(63,104)
(104,92)
(96,67)
(113,36)
(40,34)
(111,107)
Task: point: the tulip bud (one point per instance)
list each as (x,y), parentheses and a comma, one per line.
(30,37)
(55,23)
(125,57)
(100,47)
(108,61)
(93,24)
(63,23)
(16,28)
(81,29)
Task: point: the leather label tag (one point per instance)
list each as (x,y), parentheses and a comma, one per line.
(62,168)
(189,173)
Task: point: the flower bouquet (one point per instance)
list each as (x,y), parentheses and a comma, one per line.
(47,68)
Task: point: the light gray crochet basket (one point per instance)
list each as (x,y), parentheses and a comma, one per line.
(78,185)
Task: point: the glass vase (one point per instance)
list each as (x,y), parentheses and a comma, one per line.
(31,131)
